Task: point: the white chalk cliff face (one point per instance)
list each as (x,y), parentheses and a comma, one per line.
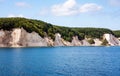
(112,40)
(61,42)
(66,43)
(76,41)
(85,43)
(18,37)
(2,34)
(5,38)
(58,40)
(31,39)
(97,42)
(15,38)
(49,41)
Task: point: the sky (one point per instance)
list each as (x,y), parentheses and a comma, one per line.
(70,13)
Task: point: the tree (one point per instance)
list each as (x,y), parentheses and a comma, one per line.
(91,41)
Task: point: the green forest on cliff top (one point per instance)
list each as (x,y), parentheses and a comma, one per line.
(46,29)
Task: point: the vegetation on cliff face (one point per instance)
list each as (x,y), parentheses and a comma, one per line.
(91,41)
(117,33)
(104,42)
(46,29)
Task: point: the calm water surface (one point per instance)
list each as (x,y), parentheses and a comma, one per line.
(60,61)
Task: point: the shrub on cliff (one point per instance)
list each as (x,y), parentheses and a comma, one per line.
(91,41)
(117,33)
(104,42)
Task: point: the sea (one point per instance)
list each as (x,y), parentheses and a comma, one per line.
(60,61)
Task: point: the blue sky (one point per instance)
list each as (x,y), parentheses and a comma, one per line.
(72,13)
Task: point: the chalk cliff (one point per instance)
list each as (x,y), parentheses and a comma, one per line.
(49,41)
(97,42)
(58,40)
(18,37)
(85,43)
(112,40)
(2,34)
(76,41)
(31,39)
(15,38)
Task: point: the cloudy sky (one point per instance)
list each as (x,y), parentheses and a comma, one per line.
(72,13)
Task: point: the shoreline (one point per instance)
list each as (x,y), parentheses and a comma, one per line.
(55,46)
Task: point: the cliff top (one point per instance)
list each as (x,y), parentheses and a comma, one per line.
(47,29)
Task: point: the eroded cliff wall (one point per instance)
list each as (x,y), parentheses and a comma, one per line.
(19,37)
(112,40)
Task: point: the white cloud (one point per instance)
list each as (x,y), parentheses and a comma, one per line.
(22,4)
(90,7)
(12,15)
(67,8)
(70,7)
(114,2)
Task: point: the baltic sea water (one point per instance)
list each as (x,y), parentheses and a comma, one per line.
(60,61)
